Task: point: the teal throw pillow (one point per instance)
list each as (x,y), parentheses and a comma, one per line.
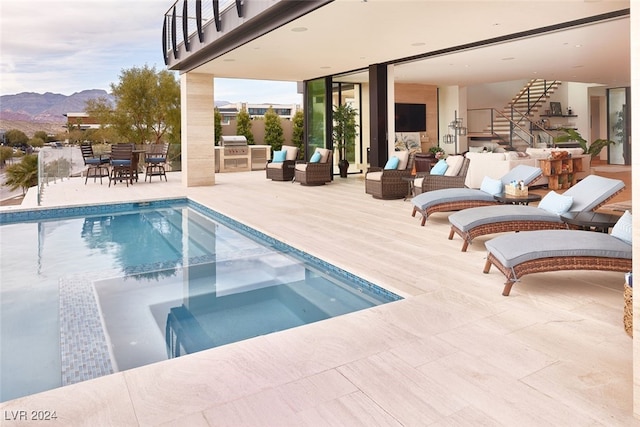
(392,163)
(622,229)
(315,158)
(439,168)
(279,156)
(556,203)
(491,186)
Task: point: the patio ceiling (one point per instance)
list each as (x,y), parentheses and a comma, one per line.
(348,35)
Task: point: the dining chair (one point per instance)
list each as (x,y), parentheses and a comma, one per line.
(121,164)
(155,158)
(97,165)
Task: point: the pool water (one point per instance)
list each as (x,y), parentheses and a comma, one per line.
(86,296)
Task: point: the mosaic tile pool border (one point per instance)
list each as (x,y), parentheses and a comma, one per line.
(31,215)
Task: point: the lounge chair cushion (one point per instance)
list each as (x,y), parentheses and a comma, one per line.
(403,159)
(583,192)
(622,230)
(514,249)
(324,153)
(523,173)
(279,156)
(491,186)
(292,152)
(301,167)
(392,163)
(316,158)
(427,199)
(468,219)
(274,165)
(440,168)
(454,165)
(556,203)
(374,176)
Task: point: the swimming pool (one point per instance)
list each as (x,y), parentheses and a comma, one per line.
(89,291)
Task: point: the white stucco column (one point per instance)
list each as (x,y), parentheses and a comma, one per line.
(197,109)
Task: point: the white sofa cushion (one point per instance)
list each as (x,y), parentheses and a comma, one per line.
(275,165)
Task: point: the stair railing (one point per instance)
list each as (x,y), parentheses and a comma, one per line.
(546,88)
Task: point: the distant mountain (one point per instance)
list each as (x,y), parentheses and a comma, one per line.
(48,107)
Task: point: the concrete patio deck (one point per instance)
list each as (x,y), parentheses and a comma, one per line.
(453,352)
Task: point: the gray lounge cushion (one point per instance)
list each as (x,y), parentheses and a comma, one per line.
(514,249)
(592,191)
(446,195)
(524,173)
(468,219)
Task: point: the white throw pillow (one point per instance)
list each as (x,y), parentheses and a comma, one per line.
(623,229)
(403,157)
(292,152)
(455,164)
(491,186)
(556,203)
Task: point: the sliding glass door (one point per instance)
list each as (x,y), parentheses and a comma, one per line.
(618,119)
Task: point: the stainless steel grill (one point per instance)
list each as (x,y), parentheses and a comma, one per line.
(235,145)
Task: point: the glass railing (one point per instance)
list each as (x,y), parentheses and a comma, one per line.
(56,164)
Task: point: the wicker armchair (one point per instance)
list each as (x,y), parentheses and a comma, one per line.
(429,182)
(283,171)
(389,183)
(307,173)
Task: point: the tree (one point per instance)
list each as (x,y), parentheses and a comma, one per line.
(297,137)
(23,174)
(147,106)
(16,138)
(42,135)
(5,154)
(36,142)
(243,126)
(217,124)
(273,133)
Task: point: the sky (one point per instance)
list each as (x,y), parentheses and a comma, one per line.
(67,46)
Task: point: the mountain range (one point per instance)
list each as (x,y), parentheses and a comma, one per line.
(48,107)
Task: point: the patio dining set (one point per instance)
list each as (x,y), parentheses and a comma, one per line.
(122,164)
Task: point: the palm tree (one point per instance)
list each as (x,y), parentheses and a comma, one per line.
(23,174)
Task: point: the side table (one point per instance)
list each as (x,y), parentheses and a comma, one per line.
(517,200)
(590,221)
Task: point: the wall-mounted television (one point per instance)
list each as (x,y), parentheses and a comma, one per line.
(411,117)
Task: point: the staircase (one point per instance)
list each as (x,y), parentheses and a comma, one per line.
(512,125)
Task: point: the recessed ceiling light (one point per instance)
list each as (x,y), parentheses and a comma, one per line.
(325,67)
(229,60)
(578,45)
(299,29)
(578,66)
(418,44)
(508,58)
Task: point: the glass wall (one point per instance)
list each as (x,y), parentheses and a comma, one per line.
(618,115)
(349,94)
(315,116)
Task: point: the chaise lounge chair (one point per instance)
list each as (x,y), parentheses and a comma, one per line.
(456,199)
(586,195)
(553,250)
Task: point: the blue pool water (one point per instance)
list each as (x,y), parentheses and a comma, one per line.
(86,292)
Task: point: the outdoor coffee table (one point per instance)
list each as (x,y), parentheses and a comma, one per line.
(590,221)
(517,200)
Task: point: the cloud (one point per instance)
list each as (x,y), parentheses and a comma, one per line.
(72,45)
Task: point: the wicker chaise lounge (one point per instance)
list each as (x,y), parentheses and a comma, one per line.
(456,199)
(588,194)
(518,254)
